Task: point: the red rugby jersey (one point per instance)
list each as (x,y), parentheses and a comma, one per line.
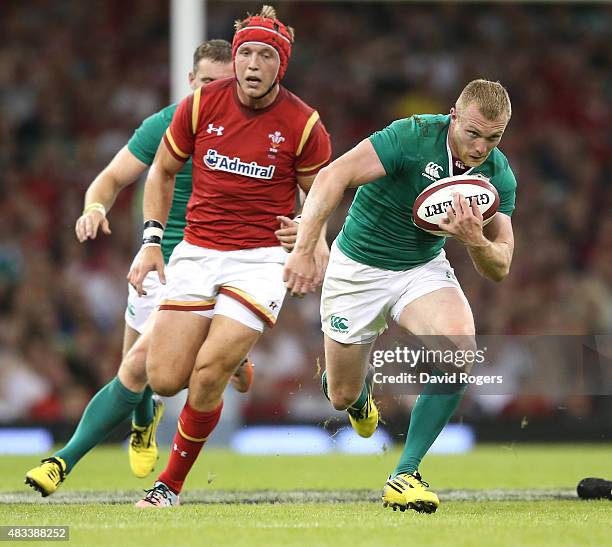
(245,163)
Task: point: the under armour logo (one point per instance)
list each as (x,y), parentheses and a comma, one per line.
(432,171)
(182,453)
(212,129)
(272,305)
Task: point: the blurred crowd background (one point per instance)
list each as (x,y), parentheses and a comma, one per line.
(76,79)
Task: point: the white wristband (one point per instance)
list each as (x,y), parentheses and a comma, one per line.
(153,231)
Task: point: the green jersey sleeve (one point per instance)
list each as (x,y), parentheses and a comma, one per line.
(506,188)
(146,138)
(393,145)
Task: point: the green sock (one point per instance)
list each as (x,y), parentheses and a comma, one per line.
(432,411)
(358,404)
(109,407)
(143,413)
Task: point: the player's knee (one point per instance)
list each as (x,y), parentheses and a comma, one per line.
(208,384)
(212,371)
(162,379)
(166,387)
(206,378)
(133,366)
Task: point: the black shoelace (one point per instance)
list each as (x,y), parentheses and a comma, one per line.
(138,439)
(417,476)
(56,472)
(156,493)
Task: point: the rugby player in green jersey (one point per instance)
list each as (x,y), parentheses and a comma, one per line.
(128,391)
(382,265)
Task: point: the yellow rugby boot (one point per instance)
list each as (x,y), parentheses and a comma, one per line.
(409,491)
(142,449)
(47,477)
(365,420)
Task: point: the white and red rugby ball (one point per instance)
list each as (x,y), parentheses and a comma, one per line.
(430,206)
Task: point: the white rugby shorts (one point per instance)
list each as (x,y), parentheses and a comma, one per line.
(139,308)
(245,285)
(356,299)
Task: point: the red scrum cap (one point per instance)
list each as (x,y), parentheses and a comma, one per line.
(265,28)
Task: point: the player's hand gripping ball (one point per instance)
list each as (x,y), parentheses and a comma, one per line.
(431,204)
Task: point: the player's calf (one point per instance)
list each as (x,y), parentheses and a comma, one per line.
(208,383)
(361,408)
(344,393)
(343,398)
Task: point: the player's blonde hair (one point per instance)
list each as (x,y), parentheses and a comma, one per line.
(491,98)
(267,12)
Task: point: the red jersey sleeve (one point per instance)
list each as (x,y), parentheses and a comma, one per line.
(314,151)
(180,136)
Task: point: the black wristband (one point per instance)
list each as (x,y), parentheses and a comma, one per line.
(153,224)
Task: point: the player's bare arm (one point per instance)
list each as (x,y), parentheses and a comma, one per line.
(123,170)
(490,247)
(357,167)
(157,200)
(321,251)
(493,257)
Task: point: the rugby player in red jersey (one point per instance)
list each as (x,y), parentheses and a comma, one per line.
(127,393)
(252,144)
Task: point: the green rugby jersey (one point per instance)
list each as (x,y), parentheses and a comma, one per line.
(378,230)
(143,145)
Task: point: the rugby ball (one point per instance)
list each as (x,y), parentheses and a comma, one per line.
(430,206)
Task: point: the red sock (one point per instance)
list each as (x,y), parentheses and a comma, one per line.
(194,427)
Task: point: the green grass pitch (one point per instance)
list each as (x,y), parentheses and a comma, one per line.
(495,495)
